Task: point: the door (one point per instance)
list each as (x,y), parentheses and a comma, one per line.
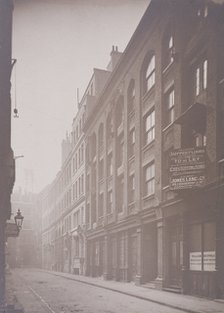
(175,256)
(133,257)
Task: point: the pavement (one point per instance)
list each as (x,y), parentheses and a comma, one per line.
(185,303)
(12,305)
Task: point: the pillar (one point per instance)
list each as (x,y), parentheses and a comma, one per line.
(107,258)
(139,276)
(160,255)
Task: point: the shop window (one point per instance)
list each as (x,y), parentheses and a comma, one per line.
(149,179)
(169,106)
(150,127)
(202,246)
(131,96)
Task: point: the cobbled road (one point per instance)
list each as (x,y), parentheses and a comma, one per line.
(40,292)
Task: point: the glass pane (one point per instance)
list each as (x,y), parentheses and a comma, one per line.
(209,236)
(195,238)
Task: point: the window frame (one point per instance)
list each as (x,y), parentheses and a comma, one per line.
(150,116)
(149,181)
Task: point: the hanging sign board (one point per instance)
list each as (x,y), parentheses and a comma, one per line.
(11,230)
(187,168)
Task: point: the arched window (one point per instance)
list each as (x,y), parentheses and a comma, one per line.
(148,73)
(131,96)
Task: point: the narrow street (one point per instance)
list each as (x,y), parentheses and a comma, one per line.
(41,292)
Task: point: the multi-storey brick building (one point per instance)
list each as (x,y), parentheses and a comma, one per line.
(63,201)
(166,93)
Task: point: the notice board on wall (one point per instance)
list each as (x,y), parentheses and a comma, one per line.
(187,168)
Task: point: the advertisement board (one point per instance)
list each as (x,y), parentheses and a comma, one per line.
(187,168)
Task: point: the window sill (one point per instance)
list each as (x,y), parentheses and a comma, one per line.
(167,67)
(148,93)
(148,145)
(148,197)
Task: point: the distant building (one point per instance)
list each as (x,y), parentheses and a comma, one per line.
(145,221)
(63,201)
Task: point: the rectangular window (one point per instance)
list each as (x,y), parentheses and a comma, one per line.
(197,85)
(150,179)
(205,74)
(169,107)
(201,77)
(150,127)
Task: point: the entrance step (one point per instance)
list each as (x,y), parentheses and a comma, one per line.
(174,289)
(150,285)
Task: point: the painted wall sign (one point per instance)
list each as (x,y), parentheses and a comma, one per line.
(195,261)
(187,168)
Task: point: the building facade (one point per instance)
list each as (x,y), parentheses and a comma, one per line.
(164,98)
(7,171)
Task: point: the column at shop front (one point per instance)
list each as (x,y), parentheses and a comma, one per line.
(184,255)
(2,262)
(220,250)
(139,275)
(160,255)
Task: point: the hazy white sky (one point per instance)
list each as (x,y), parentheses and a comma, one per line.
(57,43)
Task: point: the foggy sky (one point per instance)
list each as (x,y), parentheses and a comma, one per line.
(57,43)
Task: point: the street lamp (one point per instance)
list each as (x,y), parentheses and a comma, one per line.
(19,219)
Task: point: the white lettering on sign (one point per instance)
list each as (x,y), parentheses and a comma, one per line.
(195,261)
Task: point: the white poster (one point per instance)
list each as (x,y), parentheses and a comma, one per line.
(209,260)
(195,261)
